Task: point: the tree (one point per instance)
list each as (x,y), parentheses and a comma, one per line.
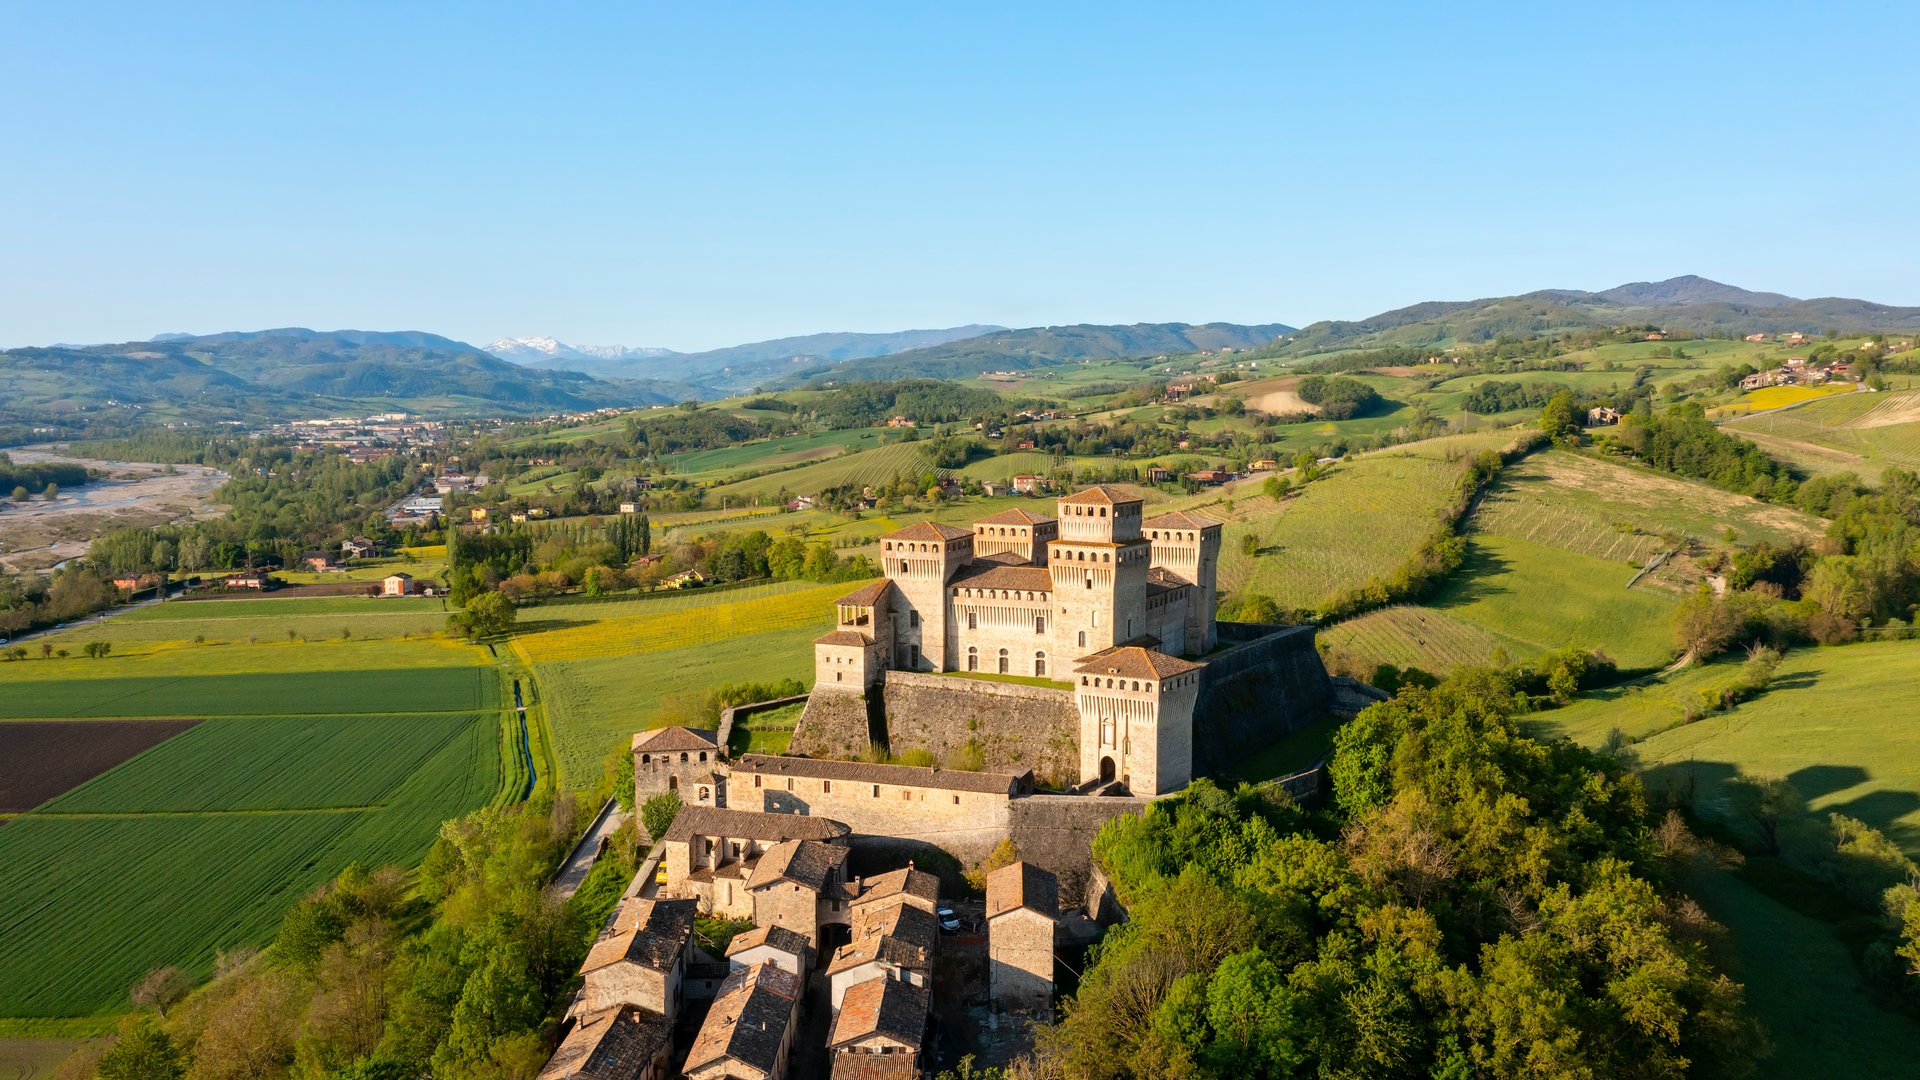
(489,614)
(142,1051)
(657,813)
(21,494)
(52,492)
(1249,544)
(1276,487)
(160,988)
(1560,418)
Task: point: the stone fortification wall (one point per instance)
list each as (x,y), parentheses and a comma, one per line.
(1269,683)
(738,712)
(833,725)
(1019,727)
(1056,832)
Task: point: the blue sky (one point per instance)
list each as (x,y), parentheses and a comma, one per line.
(694,175)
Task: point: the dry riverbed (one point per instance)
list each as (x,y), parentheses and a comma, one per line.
(40,534)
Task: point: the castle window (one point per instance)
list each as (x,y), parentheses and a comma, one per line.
(789,783)
(826,787)
(876,791)
(703,755)
(838,676)
(1039,664)
(1089,581)
(683,757)
(756,779)
(646,759)
(913,618)
(1083,639)
(956,800)
(973,658)
(1039,624)
(1003,661)
(906,795)
(973,621)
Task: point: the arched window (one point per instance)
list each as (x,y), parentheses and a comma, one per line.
(683,757)
(703,755)
(646,759)
(1083,639)
(1040,664)
(1003,661)
(973,658)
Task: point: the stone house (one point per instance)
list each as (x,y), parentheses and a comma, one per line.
(881,1017)
(359,548)
(908,885)
(749,1030)
(641,959)
(776,945)
(1023,909)
(710,853)
(800,885)
(677,759)
(622,1043)
(893,942)
(876,800)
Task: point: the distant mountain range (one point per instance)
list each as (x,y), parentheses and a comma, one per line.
(1688,303)
(736,367)
(273,374)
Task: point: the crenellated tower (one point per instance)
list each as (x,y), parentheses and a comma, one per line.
(1099,569)
(919,560)
(1190,547)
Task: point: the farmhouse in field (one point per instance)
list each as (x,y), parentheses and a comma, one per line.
(398,583)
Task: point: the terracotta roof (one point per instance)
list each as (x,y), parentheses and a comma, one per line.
(695,821)
(894,1008)
(881,949)
(661,740)
(1002,558)
(904,923)
(804,862)
(1163,579)
(612,1044)
(852,1065)
(866,595)
(907,880)
(1016,516)
(1178,519)
(861,772)
(1135,662)
(749,1018)
(843,637)
(651,933)
(1023,885)
(772,936)
(1027,578)
(1102,494)
(927,530)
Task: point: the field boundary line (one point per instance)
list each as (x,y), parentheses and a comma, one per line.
(85,815)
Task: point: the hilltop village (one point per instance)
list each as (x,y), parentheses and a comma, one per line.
(1115,605)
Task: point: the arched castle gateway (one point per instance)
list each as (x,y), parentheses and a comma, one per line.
(1100,597)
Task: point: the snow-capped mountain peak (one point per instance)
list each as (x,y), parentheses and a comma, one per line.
(533,349)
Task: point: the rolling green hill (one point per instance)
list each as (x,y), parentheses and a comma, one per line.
(1042,346)
(281,373)
(1687,303)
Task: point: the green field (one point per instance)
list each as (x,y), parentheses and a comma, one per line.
(1407,635)
(200,845)
(706,465)
(258,694)
(876,466)
(766,732)
(1862,433)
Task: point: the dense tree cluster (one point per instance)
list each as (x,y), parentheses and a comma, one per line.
(1337,397)
(1683,441)
(1477,904)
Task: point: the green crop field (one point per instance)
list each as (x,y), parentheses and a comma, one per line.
(773,453)
(269,763)
(1862,433)
(173,658)
(876,466)
(280,607)
(1407,636)
(1624,514)
(200,845)
(366,690)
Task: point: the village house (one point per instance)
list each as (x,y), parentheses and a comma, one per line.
(677,759)
(1029,484)
(909,886)
(1023,909)
(629,507)
(398,583)
(477,513)
(248,579)
(776,945)
(320,561)
(1601,414)
(800,885)
(641,959)
(359,548)
(1157,474)
(880,1019)
(1209,477)
(684,579)
(894,941)
(133,583)
(749,1030)
(1263,465)
(1756,338)
(710,854)
(623,1043)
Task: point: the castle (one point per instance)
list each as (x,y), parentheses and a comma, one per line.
(1100,597)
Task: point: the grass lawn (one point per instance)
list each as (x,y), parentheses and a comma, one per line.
(1018,680)
(766,732)
(1862,433)
(597,702)
(1293,753)
(1534,598)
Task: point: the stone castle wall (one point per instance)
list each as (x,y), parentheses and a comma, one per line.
(1019,727)
(833,725)
(1056,832)
(1270,683)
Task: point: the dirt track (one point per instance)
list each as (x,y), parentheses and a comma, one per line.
(39,534)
